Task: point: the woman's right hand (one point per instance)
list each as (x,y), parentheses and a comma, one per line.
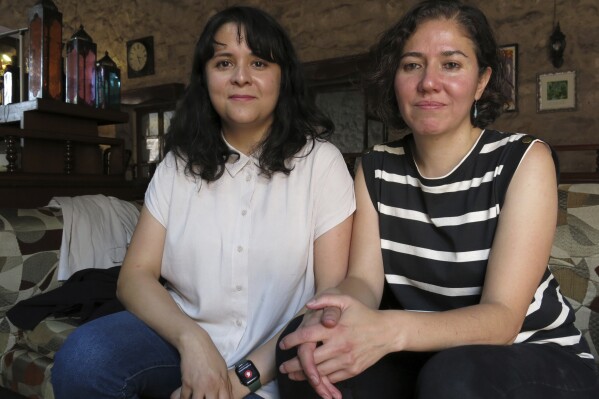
(204,372)
(359,339)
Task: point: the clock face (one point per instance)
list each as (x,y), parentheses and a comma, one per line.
(140,57)
(137,56)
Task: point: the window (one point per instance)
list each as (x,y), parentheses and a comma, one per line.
(152,125)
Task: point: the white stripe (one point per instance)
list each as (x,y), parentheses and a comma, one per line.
(457,257)
(523,336)
(562,341)
(390,150)
(403,213)
(538,297)
(493,146)
(585,355)
(446,188)
(471,217)
(462,291)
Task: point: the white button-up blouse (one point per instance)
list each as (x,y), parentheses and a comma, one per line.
(239,252)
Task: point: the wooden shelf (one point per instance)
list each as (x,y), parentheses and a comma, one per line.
(13,113)
(19,190)
(54,149)
(59,136)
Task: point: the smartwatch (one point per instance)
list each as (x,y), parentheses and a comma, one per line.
(248,375)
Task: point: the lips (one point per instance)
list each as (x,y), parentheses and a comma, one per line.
(241,97)
(429,105)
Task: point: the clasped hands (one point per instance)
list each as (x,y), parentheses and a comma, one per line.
(338,338)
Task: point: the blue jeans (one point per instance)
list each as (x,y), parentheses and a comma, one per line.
(116,356)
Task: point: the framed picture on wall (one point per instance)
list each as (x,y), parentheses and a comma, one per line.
(509,54)
(556,91)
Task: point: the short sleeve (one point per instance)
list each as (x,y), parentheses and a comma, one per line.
(335,200)
(159,193)
(367,163)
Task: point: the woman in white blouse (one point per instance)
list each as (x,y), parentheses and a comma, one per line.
(248,216)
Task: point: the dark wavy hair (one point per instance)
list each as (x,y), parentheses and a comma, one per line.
(387,54)
(194,134)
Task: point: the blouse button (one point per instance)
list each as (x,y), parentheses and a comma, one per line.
(244,212)
(239,248)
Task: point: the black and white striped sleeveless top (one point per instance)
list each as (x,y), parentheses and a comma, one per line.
(436,234)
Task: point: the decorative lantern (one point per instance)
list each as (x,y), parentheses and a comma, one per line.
(557,41)
(108,83)
(45,51)
(81,69)
(557,45)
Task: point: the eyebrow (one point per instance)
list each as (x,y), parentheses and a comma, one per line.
(447,53)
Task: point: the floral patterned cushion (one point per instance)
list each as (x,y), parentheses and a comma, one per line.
(575,256)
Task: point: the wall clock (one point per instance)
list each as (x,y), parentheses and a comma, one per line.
(140,57)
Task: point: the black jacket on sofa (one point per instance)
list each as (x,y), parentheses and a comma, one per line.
(86,295)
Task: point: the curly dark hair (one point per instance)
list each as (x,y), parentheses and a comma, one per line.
(194,134)
(388,51)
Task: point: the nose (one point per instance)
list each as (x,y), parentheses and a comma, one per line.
(430,80)
(241,75)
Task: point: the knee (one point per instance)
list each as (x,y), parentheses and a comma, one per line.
(455,373)
(83,356)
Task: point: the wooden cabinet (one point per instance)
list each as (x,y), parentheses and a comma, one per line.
(152,123)
(52,148)
(151,109)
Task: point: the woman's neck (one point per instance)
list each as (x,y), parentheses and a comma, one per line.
(436,156)
(245,140)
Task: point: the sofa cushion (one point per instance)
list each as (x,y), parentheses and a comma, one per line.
(29,250)
(49,335)
(27,372)
(575,256)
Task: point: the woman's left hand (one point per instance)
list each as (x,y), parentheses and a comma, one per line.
(355,343)
(238,391)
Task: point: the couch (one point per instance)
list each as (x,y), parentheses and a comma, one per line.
(29,253)
(30,241)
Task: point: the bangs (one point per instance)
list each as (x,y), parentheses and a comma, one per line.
(260,32)
(262,40)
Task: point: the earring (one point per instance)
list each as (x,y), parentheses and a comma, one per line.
(475,110)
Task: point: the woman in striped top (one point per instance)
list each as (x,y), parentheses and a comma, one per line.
(448,293)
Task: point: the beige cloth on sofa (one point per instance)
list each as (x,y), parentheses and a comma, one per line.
(97,230)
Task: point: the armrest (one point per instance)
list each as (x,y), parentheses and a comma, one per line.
(29,250)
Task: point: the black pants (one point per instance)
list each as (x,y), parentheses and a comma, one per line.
(526,371)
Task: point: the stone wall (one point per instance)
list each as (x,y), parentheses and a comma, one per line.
(325,29)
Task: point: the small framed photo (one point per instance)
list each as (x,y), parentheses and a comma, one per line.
(509,54)
(556,91)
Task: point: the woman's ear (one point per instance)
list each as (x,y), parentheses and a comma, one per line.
(483,80)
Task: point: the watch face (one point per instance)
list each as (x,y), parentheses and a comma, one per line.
(137,56)
(247,373)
